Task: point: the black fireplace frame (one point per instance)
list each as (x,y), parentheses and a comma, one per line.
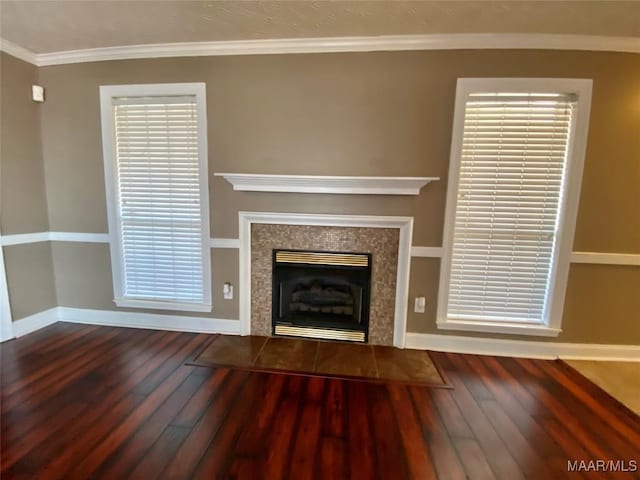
(363,325)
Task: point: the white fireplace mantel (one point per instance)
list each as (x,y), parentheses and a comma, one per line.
(253,182)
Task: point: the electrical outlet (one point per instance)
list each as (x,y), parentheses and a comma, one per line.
(420,305)
(227,291)
(37,93)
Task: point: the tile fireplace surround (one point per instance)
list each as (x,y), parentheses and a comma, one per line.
(382,243)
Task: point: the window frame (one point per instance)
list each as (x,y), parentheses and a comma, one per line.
(551,325)
(107,93)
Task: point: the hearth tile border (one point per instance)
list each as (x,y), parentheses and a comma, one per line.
(404,224)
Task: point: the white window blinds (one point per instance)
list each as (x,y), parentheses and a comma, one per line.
(162,240)
(510,188)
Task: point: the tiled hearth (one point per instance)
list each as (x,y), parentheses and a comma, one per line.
(322,358)
(381,243)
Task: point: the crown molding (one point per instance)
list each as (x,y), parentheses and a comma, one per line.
(18,51)
(447,41)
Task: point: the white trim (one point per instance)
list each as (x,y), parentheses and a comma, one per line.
(249,182)
(502,327)
(152,321)
(107,93)
(568,210)
(405,224)
(606,258)
(35,322)
(161,305)
(430,252)
(438,41)
(437,342)
(522,348)
(18,51)
(6,321)
(20,238)
(225,243)
(599,258)
(79,237)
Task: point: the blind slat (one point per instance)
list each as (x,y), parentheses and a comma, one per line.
(156,141)
(511,177)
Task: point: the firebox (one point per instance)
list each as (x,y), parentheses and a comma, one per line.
(321,294)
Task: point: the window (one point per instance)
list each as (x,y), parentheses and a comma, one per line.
(154,141)
(516,164)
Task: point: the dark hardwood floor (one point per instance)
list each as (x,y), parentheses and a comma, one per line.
(97,402)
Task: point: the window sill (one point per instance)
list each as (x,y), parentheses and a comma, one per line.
(539,330)
(161,305)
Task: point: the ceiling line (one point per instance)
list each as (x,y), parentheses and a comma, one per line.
(455,41)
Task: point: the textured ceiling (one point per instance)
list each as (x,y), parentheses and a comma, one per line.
(54,25)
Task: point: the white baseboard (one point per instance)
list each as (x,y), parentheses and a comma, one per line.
(423,341)
(35,322)
(151,321)
(521,348)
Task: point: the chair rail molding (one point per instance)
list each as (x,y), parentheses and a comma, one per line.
(595,258)
(606,258)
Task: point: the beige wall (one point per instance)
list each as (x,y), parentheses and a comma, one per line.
(352,114)
(601,305)
(30,278)
(349,114)
(23,207)
(83,277)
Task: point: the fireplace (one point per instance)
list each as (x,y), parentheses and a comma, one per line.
(321,294)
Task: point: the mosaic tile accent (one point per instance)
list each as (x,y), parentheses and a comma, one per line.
(382,243)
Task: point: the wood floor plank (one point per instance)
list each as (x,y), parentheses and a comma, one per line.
(186,459)
(154,461)
(29,415)
(454,421)
(540,441)
(279,443)
(117,436)
(309,430)
(530,462)
(14,364)
(218,457)
(473,459)
(252,440)
(417,452)
(585,399)
(496,452)
(91,356)
(30,425)
(197,404)
(391,460)
(445,458)
(332,458)
(572,449)
(129,454)
(82,401)
(334,415)
(579,426)
(361,451)
(94,449)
